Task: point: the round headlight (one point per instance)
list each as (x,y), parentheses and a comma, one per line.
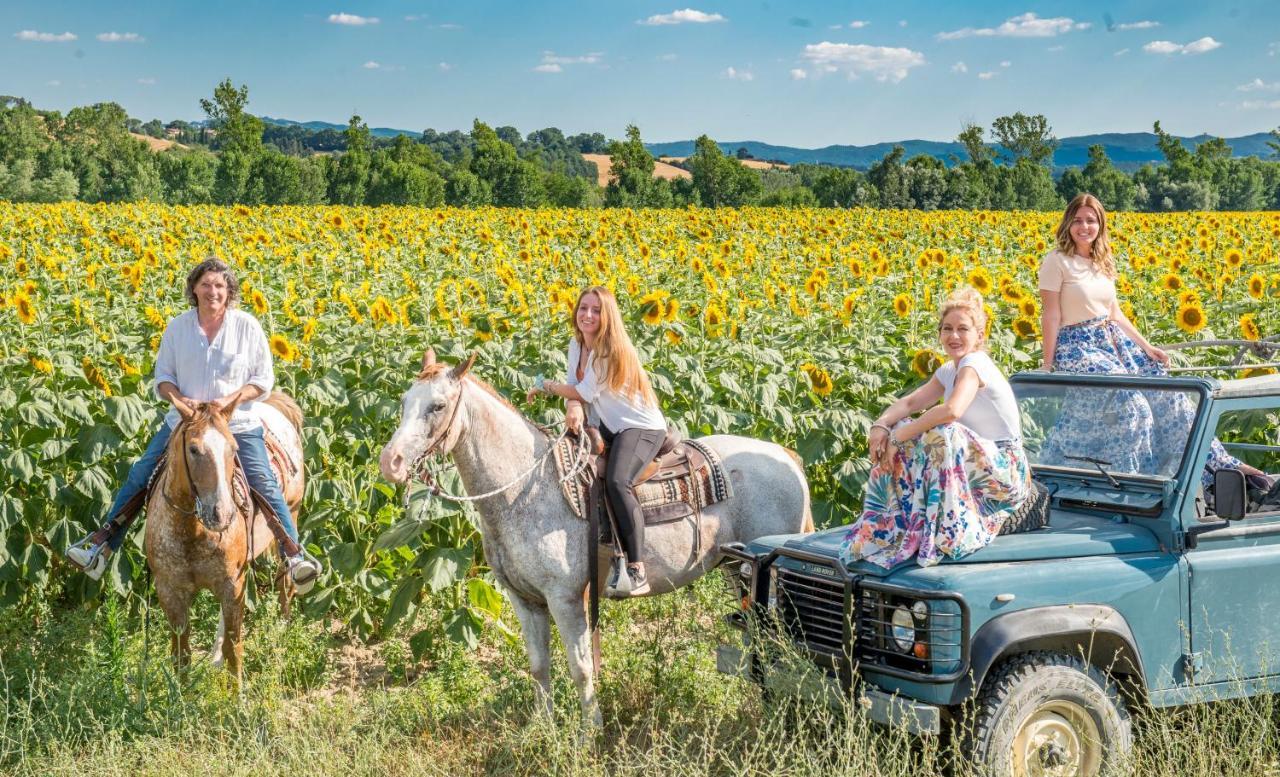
(745,570)
(902,629)
(920,610)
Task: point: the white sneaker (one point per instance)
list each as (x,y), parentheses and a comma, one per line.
(304,571)
(92,559)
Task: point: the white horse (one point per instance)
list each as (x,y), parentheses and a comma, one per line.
(535,544)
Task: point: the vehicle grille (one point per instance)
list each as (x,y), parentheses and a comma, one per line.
(811,609)
(942,631)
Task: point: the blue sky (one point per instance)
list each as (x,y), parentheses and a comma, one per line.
(801,73)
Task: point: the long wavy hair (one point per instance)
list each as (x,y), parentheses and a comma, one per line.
(1100,251)
(614,357)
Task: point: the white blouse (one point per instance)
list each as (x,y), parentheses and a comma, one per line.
(615,411)
(993,413)
(205,371)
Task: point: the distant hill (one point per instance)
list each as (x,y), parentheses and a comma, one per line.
(316,126)
(1128,150)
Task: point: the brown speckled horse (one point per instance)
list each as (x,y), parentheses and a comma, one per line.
(197,534)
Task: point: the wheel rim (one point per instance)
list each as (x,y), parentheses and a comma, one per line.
(1057,739)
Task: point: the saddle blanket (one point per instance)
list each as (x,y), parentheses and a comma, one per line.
(662,501)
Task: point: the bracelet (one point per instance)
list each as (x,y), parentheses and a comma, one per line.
(894,441)
(878,425)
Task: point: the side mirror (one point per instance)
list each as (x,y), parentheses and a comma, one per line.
(1229,494)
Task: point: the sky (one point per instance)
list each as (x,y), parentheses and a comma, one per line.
(801,73)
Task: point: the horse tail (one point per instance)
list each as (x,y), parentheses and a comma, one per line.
(806,525)
(285,404)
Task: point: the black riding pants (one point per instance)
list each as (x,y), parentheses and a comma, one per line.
(629,451)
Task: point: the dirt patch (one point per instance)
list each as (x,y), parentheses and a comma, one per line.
(156,144)
(754,164)
(660,169)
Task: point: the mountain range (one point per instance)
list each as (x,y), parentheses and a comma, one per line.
(1127,150)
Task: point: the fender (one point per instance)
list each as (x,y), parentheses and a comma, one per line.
(1098,633)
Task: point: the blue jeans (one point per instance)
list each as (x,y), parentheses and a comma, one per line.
(253,459)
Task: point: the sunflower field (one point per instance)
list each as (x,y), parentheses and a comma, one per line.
(787,324)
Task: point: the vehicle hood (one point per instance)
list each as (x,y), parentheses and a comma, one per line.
(1069,535)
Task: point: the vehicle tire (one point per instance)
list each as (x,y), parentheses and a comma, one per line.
(1032,514)
(1049,714)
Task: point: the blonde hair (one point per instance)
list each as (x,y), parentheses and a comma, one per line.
(967,300)
(614,354)
(1100,251)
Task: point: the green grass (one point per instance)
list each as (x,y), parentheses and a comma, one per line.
(90,691)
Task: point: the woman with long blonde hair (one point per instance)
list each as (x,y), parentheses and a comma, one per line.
(944,481)
(605,376)
(1086,330)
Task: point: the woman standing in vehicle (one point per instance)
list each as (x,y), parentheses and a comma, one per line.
(1086,331)
(945,481)
(605,374)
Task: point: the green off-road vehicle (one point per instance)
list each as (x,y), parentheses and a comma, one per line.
(1133,587)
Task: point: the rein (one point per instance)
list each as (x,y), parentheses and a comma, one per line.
(197,502)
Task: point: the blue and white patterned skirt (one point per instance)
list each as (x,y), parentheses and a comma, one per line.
(1136,431)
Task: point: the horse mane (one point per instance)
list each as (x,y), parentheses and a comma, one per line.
(433,370)
(289,408)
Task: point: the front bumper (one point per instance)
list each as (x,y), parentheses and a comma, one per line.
(884,709)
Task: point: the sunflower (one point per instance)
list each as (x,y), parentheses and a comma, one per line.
(819,379)
(925,362)
(653,307)
(1249,327)
(95,376)
(1027,307)
(1191,318)
(902,305)
(1234,258)
(25,307)
(714,318)
(1257,286)
(1257,372)
(673,337)
(281,347)
(980,280)
(1024,327)
(1188,297)
(673,310)
(259,302)
(1172,282)
(40,365)
(308,330)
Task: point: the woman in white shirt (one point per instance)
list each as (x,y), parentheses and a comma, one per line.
(943,482)
(605,374)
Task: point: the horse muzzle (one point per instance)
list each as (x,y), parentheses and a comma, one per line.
(393,464)
(213,515)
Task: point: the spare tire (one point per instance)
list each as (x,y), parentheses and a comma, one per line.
(1032,514)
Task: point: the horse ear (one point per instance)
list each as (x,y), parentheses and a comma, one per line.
(230,409)
(428,358)
(186,411)
(459,371)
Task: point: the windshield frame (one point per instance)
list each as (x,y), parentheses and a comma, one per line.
(1200,387)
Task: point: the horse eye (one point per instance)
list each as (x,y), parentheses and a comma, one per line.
(195,451)
(437,407)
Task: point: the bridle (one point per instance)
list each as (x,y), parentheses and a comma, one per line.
(416,467)
(200,506)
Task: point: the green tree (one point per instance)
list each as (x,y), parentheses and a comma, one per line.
(239,136)
(721,181)
(631,182)
(1101,179)
(890,180)
(351,173)
(1025,137)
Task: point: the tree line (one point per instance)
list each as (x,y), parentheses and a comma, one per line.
(233,157)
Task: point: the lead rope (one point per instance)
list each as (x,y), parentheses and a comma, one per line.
(579,462)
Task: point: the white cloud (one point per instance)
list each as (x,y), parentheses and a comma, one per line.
(1059,47)
(1005,63)
(883,63)
(798,75)
(1194,47)
(121,37)
(1142,25)
(1120,53)
(960,67)
(683,16)
(858,25)
(53,83)
(987,75)
(448,26)
(1260,105)
(371,65)
(1028,25)
(445,67)
(1258,85)
(668,57)
(548,67)
(902,22)
(551,58)
(1273,49)
(45,37)
(351,20)
(734,74)
(147,81)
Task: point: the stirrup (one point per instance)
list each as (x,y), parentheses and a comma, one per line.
(88,556)
(304,557)
(619,585)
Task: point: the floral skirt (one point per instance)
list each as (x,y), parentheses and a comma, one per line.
(1134,430)
(946,494)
